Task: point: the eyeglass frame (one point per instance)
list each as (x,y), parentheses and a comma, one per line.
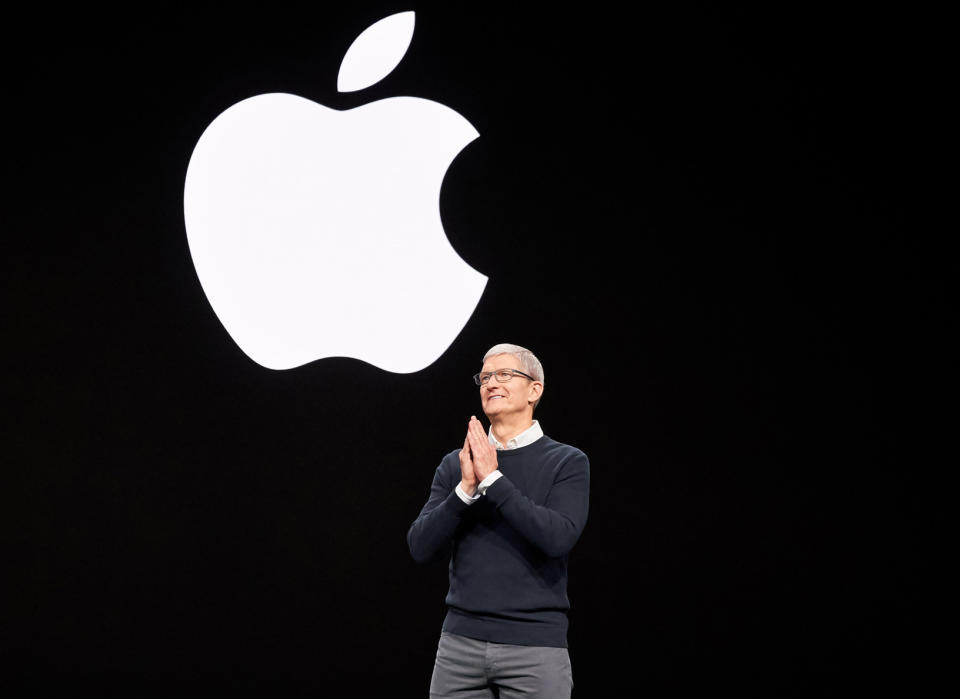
(513,372)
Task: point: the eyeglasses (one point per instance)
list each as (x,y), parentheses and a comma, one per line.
(503,375)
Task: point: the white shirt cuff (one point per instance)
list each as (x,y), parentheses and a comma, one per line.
(469,499)
(487,482)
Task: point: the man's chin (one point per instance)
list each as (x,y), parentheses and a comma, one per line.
(491,409)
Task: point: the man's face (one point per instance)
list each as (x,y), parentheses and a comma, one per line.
(511,398)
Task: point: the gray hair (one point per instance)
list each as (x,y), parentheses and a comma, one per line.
(528,360)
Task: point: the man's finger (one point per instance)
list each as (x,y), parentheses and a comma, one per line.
(475,427)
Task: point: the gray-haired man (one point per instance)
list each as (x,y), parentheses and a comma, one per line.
(507,508)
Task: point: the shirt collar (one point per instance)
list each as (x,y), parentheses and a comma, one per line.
(528,436)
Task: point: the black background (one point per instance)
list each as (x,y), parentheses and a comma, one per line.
(702,221)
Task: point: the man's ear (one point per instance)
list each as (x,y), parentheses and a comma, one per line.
(536,388)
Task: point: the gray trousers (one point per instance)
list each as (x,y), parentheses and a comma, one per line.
(470,669)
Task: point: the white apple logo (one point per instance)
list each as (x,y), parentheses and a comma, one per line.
(316,232)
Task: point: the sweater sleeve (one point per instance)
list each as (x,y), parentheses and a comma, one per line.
(555,526)
(431,534)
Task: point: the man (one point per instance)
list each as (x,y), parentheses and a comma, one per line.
(507,508)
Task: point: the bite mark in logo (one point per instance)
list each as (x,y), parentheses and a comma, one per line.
(316,232)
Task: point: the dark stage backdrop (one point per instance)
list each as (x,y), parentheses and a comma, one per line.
(699,220)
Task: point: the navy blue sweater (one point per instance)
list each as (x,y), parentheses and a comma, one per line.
(508,550)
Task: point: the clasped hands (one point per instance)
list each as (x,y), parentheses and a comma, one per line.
(478,458)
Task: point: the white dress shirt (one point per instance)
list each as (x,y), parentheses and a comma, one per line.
(528,436)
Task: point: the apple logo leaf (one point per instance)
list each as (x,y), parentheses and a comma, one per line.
(376,52)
